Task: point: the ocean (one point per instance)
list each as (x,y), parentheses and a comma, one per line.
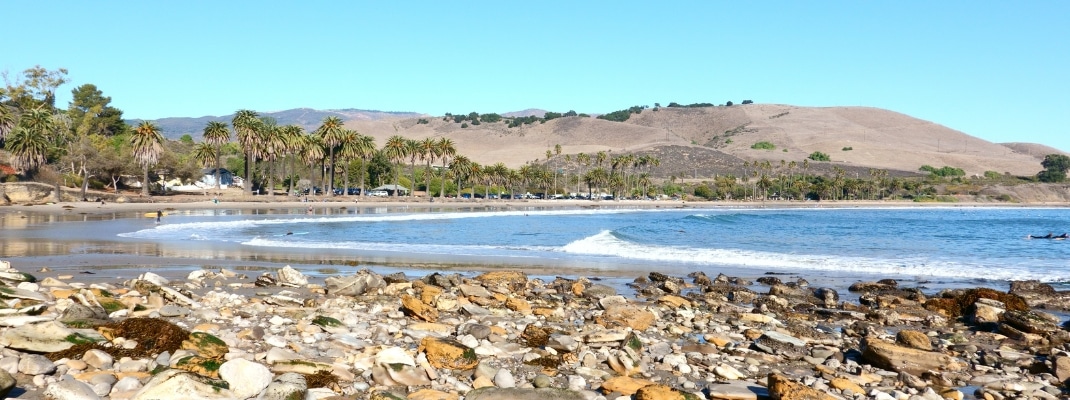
(954,245)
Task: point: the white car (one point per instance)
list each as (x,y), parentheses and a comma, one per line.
(378,193)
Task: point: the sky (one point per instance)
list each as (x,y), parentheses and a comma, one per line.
(997,70)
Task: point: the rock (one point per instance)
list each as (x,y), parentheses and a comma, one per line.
(429,394)
(98,359)
(206,345)
(394,355)
(415,308)
(519,305)
(886,284)
(7,382)
(172,310)
(493,393)
(827,296)
(845,384)
(356,285)
(473,290)
(599,292)
(674,301)
(514,281)
(45,337)
(407,375)
(80,312)
(33,364)
(245,378)
(782,388)
(504,379)
(892,357)
(737,391)
(624,385)
(177,384)
(1061,367)
(1029,321)
(448,354)
(291,277)
(986,311)
(629,315)
(914,340)
(661,392)
(774,342)
(69,388)
(287,386)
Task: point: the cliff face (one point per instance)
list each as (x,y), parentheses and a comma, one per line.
(1031,193)
(38,193)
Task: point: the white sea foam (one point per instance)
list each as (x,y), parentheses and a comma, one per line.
(463,250)
(606,244)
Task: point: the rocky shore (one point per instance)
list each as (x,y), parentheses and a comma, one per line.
(219,334)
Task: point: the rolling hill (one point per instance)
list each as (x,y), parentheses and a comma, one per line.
(701,142)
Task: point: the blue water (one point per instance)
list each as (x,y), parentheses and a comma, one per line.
(948,243)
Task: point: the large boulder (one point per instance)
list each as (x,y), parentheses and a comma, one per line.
(890,356)
(246,378)
(782,388)
(362,283)
(45,337)
(177,384)
(448,354)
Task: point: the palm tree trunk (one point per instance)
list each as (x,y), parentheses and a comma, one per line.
(217,175)
(145,183)
(363,167)
(330,188)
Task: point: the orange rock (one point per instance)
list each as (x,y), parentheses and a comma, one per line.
(626,315)
(578,288)
(515,281)
(519,305)
(844,384)
(543,311)
(674,301)
(430,294)
(659,392)
(428,394)
(625,385)
(782,388)
(448,354)
(415,308)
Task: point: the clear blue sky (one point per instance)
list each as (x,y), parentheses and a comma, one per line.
(998,70)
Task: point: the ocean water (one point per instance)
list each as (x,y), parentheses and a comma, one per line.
(924,244)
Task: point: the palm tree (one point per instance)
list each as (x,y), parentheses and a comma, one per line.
(274,149)
(413,151)
(395,150)
(9,119)
(499,174)
(293,138)
(429,150)
(348,151)
(216,134)
(205,155)
(584,160)
(332,133)
(595,177)
(365,148)
(600,158)
(147,142)
(312,153)
(245,124)
(446,150)
(462,169)
(30,139)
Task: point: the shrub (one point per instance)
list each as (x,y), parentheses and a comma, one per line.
(748,102)
(729,103)
(464,125)
(819,156)
(944,171)
(848,148)
(490,118)
(992,174)
(703,191)
(763,145)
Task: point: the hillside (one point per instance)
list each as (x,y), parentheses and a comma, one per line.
(875,138)
(698,142)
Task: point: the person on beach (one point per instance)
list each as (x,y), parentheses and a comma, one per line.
(159,214)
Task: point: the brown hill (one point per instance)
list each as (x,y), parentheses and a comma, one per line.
(856,139)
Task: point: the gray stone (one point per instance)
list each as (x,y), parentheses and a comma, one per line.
(561,342)
(78,311)
(478,331)
(288,276)
(542,381)
(33,364)
(290,385)
(69,388)
(611,301)
(45,337)
(7,382)
(171,310)
(493,393)
(178,384)
(245,378)
(473,290)
(361,283)
(598,291)
(737,391)
(504,379)
(474,310)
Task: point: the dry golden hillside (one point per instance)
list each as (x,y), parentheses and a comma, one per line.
(876,138)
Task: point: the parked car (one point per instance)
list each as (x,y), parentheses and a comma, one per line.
(378,193)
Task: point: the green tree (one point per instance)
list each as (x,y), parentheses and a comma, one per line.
(1055,167)
(147,144)
(30,141)
(819,156)
(332,133)
(395,151)
(216,134)
(245,128)
(446,150)
(35,88)
(91,113)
